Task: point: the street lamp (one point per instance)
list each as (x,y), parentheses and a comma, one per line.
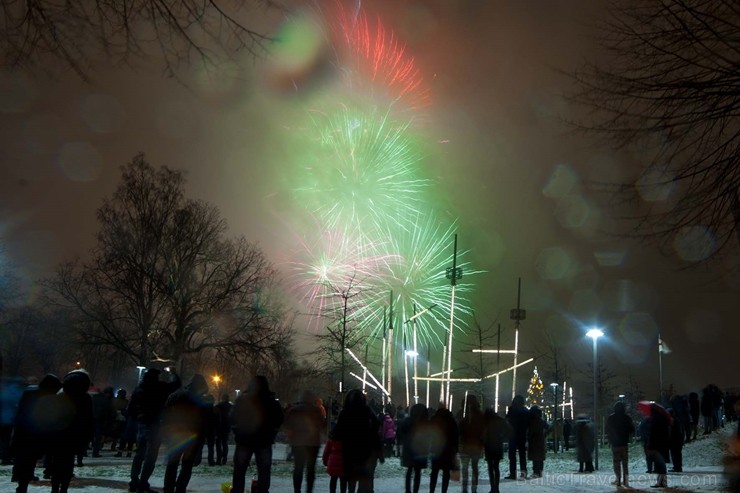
(554,386)
(594,334)
(217,381)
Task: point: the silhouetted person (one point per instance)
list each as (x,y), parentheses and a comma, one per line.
(184,427)
(676,442)
(222,410)
(256,417)
(103,415)
(518,418)
(32,427)
(74,428)
(619,430)
(658,442)
(497,432)
(414,437)
(584,432)
(444,445)
(147,403)
(472,426)
(567,429)
(304,424)
(694,412)
(358,429)
(536,433)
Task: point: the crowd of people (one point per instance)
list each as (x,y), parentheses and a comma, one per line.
(60,419)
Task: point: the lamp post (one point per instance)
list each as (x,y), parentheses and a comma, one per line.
(554,386)
(594,334)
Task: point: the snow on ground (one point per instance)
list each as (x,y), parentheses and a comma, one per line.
(702,473)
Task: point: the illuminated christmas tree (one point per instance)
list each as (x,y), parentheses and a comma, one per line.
(536,390)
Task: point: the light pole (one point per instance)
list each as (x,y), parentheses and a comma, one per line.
(554,386)
(594,334)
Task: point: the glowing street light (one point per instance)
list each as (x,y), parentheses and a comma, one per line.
(554,386)
(594,334)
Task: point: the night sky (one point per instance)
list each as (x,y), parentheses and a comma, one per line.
(516,178)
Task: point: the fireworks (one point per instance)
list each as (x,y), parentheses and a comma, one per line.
(376,60)
(364,168)
(359,179)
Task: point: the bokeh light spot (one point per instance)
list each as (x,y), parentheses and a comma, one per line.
(554,263)
(102,113)
(573,211)
(695,243)
(562,181)
(655,185)
(610,258)
(80,161)
(297,53)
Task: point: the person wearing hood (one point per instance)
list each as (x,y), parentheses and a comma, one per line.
(536,433)
(146,405)
(72,428)
(584,431)
(32,426)
(619,430)
(184,428)
(304,424)
(256,417)
(658,442)
(358,431)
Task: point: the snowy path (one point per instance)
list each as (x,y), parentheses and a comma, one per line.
(702,473)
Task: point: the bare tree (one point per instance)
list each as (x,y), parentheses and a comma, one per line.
(80,33)
(666,87)
(164,282)
(342,332)
(481,365)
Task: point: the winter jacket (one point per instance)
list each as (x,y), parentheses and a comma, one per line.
(304,424)
(445,440)
(389,428)
(584,434)
(185,417)
(472,430)
(148,399)
(659,432)
(256,419)
(619,427)
(73,413)
(223,416)
(536,432)
(358,429)
(518,418)
(497,432)
(35,415)
(413,434)
(332,458)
